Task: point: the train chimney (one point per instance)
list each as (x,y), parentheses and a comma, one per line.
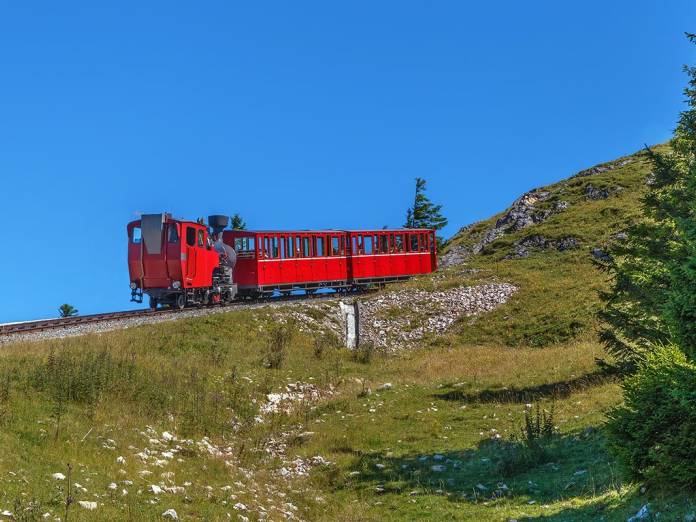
(218,223)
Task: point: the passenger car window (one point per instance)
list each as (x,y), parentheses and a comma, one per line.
(384,244)
(414,242)
(305,246)
(173,233)
(319,251)
(367,244)
(398,243)
(335,245)
(191,236)
(137,236)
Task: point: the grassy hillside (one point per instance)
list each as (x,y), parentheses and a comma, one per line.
(194,416)
(558,288)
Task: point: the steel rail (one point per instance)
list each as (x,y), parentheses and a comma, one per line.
(67,322)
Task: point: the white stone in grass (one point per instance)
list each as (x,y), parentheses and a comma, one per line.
(120,460)
(438,468)
(87,504)
(113,486)
(7,513)
(58,476)
(240,507)
(385,386)
(170,513)
(155,489)
(167,437)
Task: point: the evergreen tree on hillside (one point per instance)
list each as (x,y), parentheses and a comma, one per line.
(652,298)
(67,310)
(238,223)
(423,213)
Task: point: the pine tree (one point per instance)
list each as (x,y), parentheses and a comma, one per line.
(652,297)
(238,223)
(680,311)
(424,214)
(67,310)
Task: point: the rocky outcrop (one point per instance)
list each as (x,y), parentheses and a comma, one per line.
(524,247)
(523,213)
(603,168)
(595,193)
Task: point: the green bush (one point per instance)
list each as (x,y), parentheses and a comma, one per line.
(533,445)
(653,432)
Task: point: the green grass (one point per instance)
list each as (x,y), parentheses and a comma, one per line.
(83,402)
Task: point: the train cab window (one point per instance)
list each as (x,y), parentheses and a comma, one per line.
(305,247)
(201,238)
(191,236)
(367,245)
(319,247)
(136,236)
(172,233)
(423,243)
(413,247)
(266,247)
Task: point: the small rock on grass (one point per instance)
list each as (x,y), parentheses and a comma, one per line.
(87,504)
(385,386)
(643,514)
(58,476)
(170,513)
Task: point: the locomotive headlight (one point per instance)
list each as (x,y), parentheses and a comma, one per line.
(176,285)
(133,285)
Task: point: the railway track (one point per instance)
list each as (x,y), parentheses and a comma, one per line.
(79,320)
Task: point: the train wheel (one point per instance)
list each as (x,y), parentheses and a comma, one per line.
(181,301)
(153,303)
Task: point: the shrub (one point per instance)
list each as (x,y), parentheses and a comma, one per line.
(652,434)
(363,352)
(276,346)
(324,341)
(533,445)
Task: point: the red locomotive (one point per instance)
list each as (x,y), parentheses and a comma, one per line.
(182,263)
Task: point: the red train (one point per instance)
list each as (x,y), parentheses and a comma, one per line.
(180,263)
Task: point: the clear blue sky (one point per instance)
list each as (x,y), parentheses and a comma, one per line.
(303,115)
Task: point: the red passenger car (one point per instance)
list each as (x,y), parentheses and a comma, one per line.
(340,259)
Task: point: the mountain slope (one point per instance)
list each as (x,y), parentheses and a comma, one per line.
(545,244)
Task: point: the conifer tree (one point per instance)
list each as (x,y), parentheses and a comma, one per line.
(67,310)
(238,223)
(652,297)
(423,213)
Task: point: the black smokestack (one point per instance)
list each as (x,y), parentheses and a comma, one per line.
(218,223)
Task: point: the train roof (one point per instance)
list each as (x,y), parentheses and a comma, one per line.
(331,231)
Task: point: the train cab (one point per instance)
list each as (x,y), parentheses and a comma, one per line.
(170,260)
